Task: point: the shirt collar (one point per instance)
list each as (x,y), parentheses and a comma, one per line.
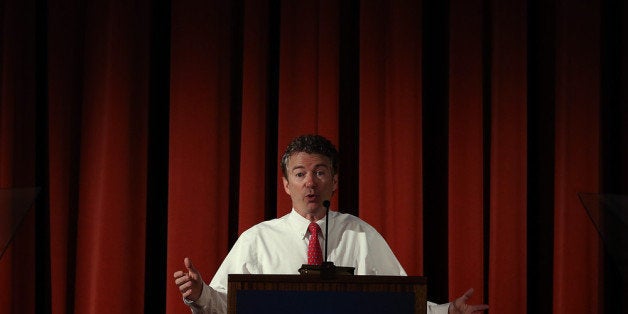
(299,224)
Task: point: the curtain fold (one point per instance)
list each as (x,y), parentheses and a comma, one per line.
(199,139)
(508,162)
(390,126)
(466,149)
(65,91)
(469,124)
(18,85)
(110,238)
(308,77)
(576,253)
(257,72)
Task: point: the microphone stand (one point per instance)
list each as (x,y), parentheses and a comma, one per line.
(326,204)
(327,269)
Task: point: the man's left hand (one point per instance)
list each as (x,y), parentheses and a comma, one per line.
(460,306)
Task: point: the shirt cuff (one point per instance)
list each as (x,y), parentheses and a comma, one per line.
(202,301)
(433,308)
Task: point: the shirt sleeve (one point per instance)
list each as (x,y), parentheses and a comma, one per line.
(380,259)
(433,308)
(211,301)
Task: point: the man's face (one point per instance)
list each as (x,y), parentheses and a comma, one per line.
(310,181)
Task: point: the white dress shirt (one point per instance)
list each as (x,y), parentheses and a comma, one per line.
(279,246)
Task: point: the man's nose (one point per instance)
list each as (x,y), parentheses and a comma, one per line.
(309,181)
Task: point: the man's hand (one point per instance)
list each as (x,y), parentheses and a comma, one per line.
(460,306)
(190,283)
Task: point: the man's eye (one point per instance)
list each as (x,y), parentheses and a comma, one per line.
(320,173)
(299,174)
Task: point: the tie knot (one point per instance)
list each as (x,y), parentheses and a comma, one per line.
(313,228)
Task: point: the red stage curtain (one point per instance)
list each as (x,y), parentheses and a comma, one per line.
(110,235)
(508,162)
(390,126)
(443,128)
(18,87)
(466,149)
(65,97)
(308,77)
(255,94)
(199,139)
(576,253)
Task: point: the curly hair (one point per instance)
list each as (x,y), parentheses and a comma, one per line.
(311,144)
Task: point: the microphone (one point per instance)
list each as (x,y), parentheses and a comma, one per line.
(326,204)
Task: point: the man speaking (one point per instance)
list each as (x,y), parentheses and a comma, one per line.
(282,245)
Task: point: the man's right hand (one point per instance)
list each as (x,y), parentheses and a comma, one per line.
(189,282)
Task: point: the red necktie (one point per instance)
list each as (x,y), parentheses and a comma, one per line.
(314,254)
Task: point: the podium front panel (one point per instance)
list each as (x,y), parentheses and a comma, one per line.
(313,294)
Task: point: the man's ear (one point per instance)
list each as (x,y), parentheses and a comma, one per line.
(285,185)
(335,180)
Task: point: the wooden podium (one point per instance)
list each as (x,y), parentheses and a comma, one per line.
(289,294)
